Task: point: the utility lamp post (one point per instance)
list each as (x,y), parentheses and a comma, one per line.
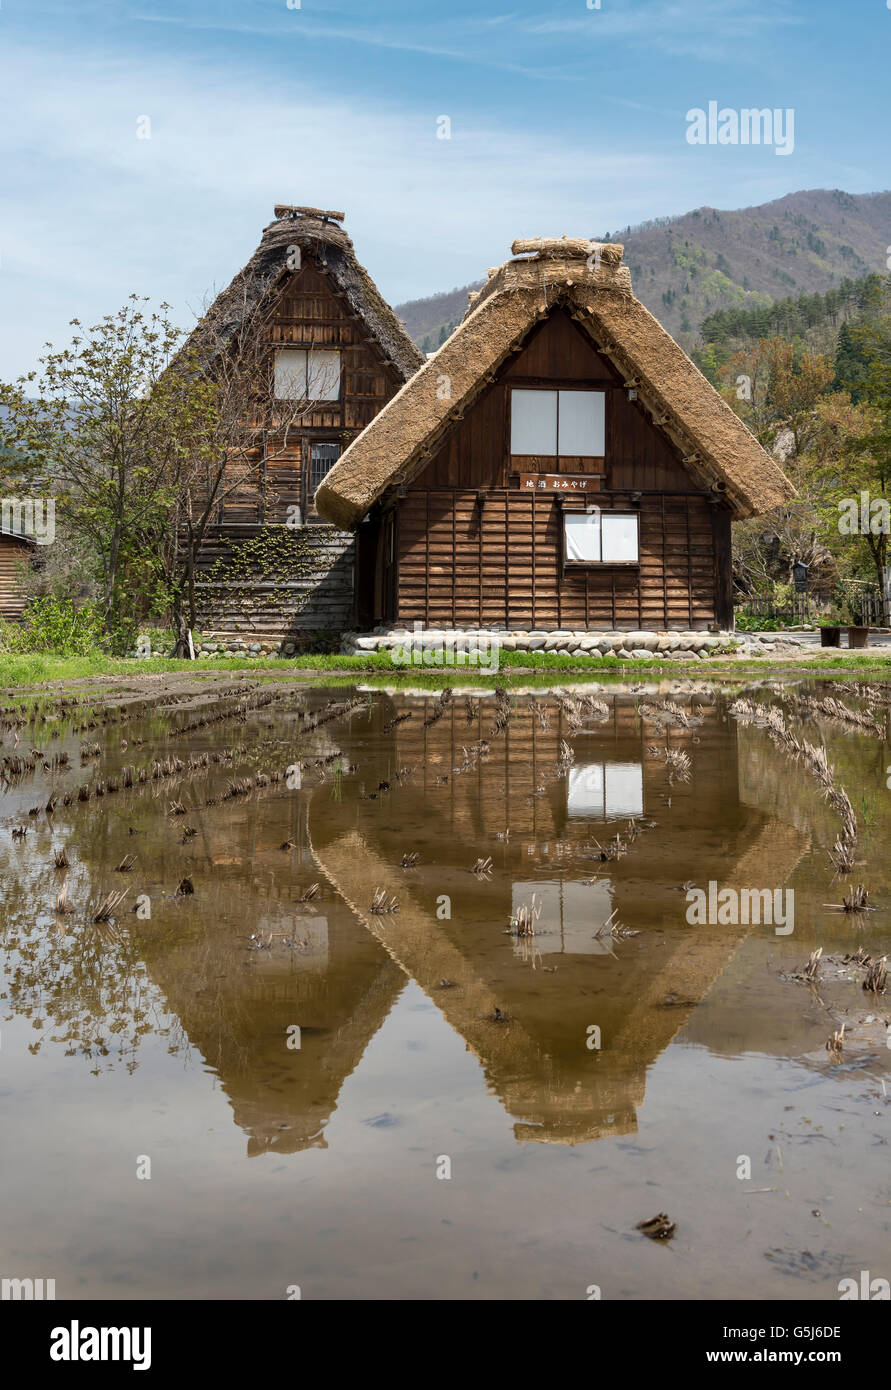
(799,579)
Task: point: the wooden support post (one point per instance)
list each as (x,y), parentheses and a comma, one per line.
(689,566)
(723,561)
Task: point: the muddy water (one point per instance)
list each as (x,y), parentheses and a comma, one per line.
(433,1039)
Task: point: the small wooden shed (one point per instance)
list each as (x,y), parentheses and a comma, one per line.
(559,462)
(16,552)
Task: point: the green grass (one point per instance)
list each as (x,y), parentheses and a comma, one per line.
(40,668)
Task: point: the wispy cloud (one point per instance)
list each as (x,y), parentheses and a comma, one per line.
(709,30)
(181,211)
(382,37)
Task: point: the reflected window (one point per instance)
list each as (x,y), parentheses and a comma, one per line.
(570,915)
(605,790)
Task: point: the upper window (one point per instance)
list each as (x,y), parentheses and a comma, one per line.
(558,424)
(601,538)
(307,374)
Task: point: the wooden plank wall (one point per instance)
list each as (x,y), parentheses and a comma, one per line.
(461,562)
(317,596)
(12,593)
(312,312)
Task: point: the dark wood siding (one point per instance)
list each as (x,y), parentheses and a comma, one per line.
(13,557)
(312,312)
(464,559)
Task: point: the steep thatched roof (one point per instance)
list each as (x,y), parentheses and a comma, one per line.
(313,230)
(589,280)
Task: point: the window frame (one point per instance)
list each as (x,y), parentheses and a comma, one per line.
(323,444)
(307,350)
(557,391)
(601,564)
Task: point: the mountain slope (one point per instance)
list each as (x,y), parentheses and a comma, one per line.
(684,268)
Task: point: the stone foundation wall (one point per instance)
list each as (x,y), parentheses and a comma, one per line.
(619,646)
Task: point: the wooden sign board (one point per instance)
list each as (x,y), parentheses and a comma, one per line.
(561,482)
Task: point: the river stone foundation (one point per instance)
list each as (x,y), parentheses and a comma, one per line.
(409,648)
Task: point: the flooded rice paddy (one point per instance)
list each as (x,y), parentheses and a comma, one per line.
(481,1087)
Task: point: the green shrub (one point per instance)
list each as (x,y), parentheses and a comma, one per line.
(748,622)
(56,625)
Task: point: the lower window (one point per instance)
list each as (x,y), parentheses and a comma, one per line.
(322,458)
(601,538)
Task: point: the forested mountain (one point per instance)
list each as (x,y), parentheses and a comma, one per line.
(686,269)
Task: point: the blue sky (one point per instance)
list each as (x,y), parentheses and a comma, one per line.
(564,119)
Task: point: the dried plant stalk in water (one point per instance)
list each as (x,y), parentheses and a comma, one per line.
(813,964)
(105,909)
(877,976)
(522,923)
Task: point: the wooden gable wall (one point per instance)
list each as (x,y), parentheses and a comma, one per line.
(312,312)
(462,561)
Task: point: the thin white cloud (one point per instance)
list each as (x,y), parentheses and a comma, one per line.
(708,30)
(109,213)
(377,37)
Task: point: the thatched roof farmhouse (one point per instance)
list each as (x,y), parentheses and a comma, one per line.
(559,396)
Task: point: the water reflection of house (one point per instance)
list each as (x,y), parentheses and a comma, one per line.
(237,999)
(341,982)
(553,989)
(237,1006)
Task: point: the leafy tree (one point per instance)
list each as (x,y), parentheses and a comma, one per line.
(106,427)
(851,363)
(850,474)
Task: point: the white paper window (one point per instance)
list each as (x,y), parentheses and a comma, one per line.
(307,374)
(533,422)
(581,424)
(618,539)
(601,538)
(582,532)
(558,423)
